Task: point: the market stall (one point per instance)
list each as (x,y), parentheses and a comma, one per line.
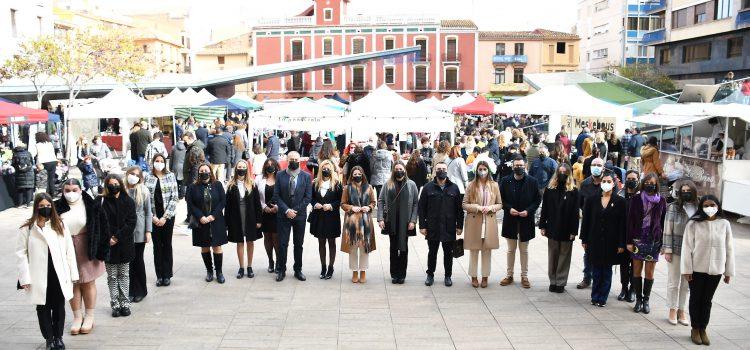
(300,115)
(480,106)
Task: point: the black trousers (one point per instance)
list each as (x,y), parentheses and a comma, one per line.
(286,227)
(626,271)
(378,188)
(51,315)
(162,241)
(447,256)
(181,188)
(51,177)
(24,196)
(702,289)
(399,260)
(138,273)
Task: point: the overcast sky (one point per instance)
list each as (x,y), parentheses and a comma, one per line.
(488,14)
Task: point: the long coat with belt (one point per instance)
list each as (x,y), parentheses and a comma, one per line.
(516,227)
(358,227)
(559,217)
(214,233)
(326,224)
(475,219)
(115,217)
(32,249)
(603,230)
(253,214)
(440,211)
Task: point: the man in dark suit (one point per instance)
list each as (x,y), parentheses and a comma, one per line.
(292,193)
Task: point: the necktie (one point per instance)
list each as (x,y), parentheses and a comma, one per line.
(292,184)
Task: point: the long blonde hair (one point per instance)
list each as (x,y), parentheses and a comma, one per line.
(472,191)
(139,187)
(334,174)
(569,186)
(248,177)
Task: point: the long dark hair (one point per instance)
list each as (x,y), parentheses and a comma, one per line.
(54,218)
(700,215)
(351,175)
(211,177)
(393,179)
(272,162)
(413,163)
(651,176)
(693,189)
(123,190)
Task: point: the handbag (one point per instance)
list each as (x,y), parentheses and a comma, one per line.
(458,248)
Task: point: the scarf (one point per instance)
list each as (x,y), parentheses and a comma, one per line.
(360,198)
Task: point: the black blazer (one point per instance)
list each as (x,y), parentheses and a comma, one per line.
(516,227)
(302,194)
(62,206)
(253,214)
(115,217)
(603,230)
(559,217)
(326,223)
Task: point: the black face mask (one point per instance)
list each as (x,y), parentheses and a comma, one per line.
(562,179)
(270,169)
(649,188)
(326,173)
(686,196)
(205,176)
(400,174)
(441,175)
(519,171)
(357,178)
(113,189)
(241,172)
(45,212)
(293,166)
(631,184)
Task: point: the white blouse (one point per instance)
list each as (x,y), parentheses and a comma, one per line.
(324,187)
(75,219)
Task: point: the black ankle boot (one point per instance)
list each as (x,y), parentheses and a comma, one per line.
(209,266)
(59,345)
(218,259)
(250,273)
(322,272)
(50,344)
(329,273)
(647,284)
(637,283)
(631,294)
(241,273)
(271,268)
(623,293)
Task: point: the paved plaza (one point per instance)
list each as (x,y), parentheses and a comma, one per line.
(320,314)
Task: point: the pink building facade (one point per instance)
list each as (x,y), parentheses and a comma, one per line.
(446,64)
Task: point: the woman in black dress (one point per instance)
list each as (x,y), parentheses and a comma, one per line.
(243,216)
(205,203)
(325,220)
(264,185)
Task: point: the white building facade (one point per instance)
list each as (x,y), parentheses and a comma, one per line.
(21,20)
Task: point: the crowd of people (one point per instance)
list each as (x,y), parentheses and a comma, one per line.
(604,190)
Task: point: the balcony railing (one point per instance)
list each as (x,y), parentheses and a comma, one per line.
(451,86)
(420,86)
(654,37)
(451,57)
(290,21)
(509,88)
(296,86)
(390,20)
(302,57)
(358,86)
(421,57)
(510,59)
(654,7)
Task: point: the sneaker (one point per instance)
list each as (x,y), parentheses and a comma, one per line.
(507,281)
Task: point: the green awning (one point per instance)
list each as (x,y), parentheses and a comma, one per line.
(200,113)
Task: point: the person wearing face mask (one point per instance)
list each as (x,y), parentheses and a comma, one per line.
(142,235)
(542,168)
(506,166)
(99,150)
(292,193)
(265,184)
(590,187)
(645,230)
(678,214)
(559,223)
(88,174)
(520,198)
(205,204)
(76,209)
(164,189)
(243,215)
(397,217)
(481,203)
(115,220)
(603,236)
(47,268)
(630,190)
(707,254)
(325,221)
(357,201)
(441,219)
(427,152)
(382,165)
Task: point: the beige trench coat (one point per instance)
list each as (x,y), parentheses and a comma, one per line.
(474,219)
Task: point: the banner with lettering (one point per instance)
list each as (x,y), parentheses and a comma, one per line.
(574,125)
(705,173)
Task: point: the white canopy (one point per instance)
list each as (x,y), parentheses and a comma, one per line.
(432,103)
(567,100)
(204,97)
(688,113)
(383,110)
(120,103)
(246,98)
(300,115)
(331,103)
(454,101)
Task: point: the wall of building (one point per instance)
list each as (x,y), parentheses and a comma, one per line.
(709,71)
(30,19)
(552,61)
(600,29)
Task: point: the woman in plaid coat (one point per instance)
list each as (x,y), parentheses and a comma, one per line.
(162,184)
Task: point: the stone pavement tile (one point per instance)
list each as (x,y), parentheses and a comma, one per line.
(734,333)
(588,331)
(426,343)
(308,341)
(249,343)
(482,343)
(253,332)
(355,344)
(595,343)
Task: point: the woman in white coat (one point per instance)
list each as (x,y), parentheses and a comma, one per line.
(457,169)
(47,267)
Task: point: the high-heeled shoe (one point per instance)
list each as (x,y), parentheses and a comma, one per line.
(484,282)
(329,273)
(322,272)
(241,273)
(250,273)
(474,282)
(623,293)
(75,327)
(271,268)
(355,277)
(362,277)
(88,322)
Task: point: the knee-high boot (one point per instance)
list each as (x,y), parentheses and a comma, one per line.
(218,260)
(637,284)
(209,266)
(647,284)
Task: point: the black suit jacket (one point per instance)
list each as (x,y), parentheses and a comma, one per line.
(302,194)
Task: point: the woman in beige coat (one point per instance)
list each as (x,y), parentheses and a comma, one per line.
(482,202)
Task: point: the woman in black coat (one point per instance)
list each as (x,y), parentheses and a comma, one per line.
(325,219)
(358,158)
(559,223)
(243,215)
(114,223)
(23,164)
(205,203)
(416,169)
(603,236)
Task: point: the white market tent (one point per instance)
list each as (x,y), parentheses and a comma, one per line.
(204,97)
(300,115)
(331,103)
(383,110)
(246,98)
(688,113)
(452,101)
(120,103)
(432,103)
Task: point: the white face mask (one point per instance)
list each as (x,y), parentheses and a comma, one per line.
(607,186)
(482,173)
(72,197)
(710,211)
(159,166)
(132,179)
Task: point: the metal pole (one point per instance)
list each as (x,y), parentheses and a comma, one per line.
(726,139)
